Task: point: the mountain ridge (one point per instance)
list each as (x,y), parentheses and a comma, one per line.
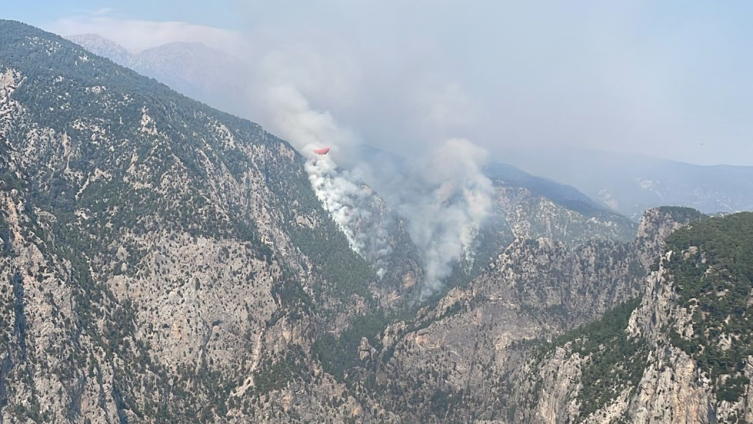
(631,184)
(162,261)
(157,57)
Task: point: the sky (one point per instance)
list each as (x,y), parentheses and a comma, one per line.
(669,79)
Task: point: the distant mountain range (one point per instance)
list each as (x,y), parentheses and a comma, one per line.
(630,184)
(194,69)
(627,184)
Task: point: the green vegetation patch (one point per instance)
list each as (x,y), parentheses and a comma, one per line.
(339,354)
(682,214)
(615,361)
(328,250)
(712,268)
(5,246)
(273,375)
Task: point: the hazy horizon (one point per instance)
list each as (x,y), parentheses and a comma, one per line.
(663,80)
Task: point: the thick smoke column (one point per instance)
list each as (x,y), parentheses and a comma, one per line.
(444,197)
(342,193)
(351,205)
(446,205)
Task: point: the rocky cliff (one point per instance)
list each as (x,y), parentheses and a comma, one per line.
(461,360)
(679,355)
(161,261)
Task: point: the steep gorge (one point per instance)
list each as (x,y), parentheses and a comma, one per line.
(161,261)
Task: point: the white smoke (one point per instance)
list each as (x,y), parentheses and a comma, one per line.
(343,194)
(444,196)
(351,205)
(296,121)
(446,205)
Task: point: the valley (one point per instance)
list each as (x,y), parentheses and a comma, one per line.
(162,261)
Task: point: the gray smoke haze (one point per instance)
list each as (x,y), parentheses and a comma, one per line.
(654,78)
(446,200)
(444,196)
(666,79)
(419,78)
(342,192)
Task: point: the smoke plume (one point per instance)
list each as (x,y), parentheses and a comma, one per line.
(353,206)
(442,195)
(445,199)
(343,193)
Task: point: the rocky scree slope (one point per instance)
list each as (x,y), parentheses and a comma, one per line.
(161,261)
(165,262)
(459,360)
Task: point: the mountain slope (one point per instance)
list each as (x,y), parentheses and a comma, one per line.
(628,184)
(459,360)
(559,193)
(165,262)
(536,207)
(692,352)
(532,206)
(160,257)
(196,70)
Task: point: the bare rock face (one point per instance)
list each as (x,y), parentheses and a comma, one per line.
(665,386)
(365,351)
(657,224)
(557,397)
(480,352)
(532,216)
(164,262)
(681,357)
(154,266)
(671,392)
(468,350)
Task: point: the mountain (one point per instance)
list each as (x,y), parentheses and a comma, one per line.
(194,69)
(523,207)
(162,262)
(103,47)
(630,184)
(536,207)
(527,206)
(626,184)
(160,257)
(560,193)
(683,350)
(466,359)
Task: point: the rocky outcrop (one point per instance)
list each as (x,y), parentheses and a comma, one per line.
(697,368)
(532,216)
(165,262)
(656,225)
(153,262)
(469,350)
(472,352)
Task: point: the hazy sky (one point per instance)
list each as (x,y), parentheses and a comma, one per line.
(671,79)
